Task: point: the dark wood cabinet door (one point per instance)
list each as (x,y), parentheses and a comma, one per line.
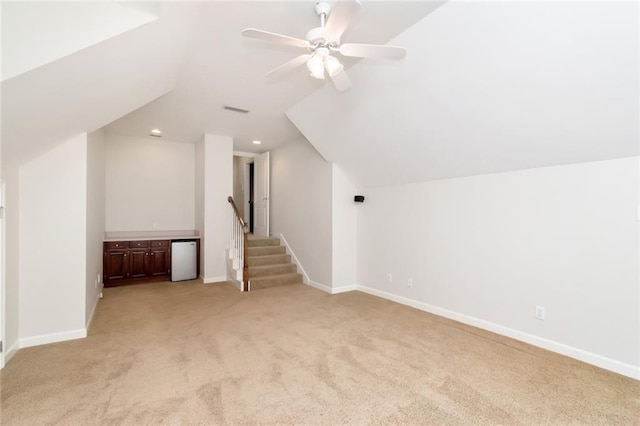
(159,261)
(138,262)
(116,264)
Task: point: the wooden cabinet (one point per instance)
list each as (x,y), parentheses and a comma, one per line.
(159,258)
(116,261)
(130,262)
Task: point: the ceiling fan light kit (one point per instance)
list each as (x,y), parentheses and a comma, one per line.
(333,66)
(316,63)
(324,41)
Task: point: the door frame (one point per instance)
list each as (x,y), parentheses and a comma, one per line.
(3,236)
(248,186)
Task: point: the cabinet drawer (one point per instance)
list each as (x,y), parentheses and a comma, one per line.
(116,244)
(160,243)
(138,244)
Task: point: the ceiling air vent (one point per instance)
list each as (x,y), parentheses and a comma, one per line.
(235,109)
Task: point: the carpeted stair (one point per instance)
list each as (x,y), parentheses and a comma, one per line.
(269,264)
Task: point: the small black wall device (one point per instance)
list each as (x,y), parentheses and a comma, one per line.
(359,198)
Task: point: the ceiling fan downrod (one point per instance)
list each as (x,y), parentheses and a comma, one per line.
(323,10)
(315,36)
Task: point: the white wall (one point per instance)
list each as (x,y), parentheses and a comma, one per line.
(53,244)
(345,231)
(218,185)
(301,188)
(487,249)
(149,184)
(95,220)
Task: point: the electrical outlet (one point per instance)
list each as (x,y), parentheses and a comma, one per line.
(541,312)
(410,283)
(390,278)
(155,226)
(98,278)
(96,283)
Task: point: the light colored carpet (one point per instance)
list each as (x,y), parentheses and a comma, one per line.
(186,353)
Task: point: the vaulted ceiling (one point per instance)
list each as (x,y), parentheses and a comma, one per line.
(488,87)
(485,86)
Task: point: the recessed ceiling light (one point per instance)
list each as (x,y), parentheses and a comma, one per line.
(156,132)
(257,142)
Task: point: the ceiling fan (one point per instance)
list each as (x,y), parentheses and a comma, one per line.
(323,43)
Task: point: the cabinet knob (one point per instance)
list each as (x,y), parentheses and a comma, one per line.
(152,254)
(147,254)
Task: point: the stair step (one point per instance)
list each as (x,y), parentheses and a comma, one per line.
(275,281)
(269,270)
(261,242)
(274,259)
(265,250)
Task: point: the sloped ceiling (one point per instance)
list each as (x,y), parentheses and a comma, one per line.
(174,73)
(41,32)
(487,87)
(224,68)
(90,88)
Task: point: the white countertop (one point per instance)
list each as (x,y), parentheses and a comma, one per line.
(150,235)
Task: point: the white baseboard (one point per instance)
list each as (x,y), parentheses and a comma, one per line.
(305,277)
(333,290)
(237,284)
(344,289)
(211,280)
(628,370)
(11,352)
(319,286)
(27,342)
(93,311)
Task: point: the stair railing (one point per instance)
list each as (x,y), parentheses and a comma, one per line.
(238,244)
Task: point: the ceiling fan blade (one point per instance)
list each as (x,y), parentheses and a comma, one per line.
(376,51)
(287,66)
(341,80)
(274,37)
(340,18)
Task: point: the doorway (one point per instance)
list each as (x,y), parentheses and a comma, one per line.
(260,205)
(252,169)
(251,189)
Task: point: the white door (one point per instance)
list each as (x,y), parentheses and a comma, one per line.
(261,197)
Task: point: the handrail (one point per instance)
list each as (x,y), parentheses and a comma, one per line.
(245,231)
(235,209)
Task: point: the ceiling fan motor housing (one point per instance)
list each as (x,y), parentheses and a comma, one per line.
(315,36)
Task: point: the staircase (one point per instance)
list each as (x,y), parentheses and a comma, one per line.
(269,264)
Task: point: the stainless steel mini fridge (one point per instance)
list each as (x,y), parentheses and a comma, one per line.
(184,260)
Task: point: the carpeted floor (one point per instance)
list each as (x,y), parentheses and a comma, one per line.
(186,353)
